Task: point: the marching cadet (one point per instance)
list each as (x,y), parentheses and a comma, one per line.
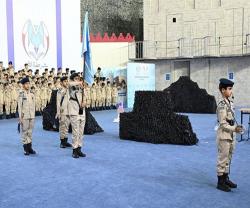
(1,100)
(7,99)
(62,102)
(225,135)
(93,96)
(77,104)
(14,97)
(26,111)
(114,95)
(108,95)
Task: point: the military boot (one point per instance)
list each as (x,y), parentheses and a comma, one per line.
(75,153)
(228,182)
(62,145)
(80,153)
(31,151)
(66,143)
(26,150)
(221,185)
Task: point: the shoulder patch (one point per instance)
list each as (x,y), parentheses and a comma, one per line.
(222,103)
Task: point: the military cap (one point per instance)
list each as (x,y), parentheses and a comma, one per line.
(226,82)
(72,71)
(25,80)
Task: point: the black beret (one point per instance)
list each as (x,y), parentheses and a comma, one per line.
(72,71)
(25,80)
(72,77)
(226,82)
(63,78)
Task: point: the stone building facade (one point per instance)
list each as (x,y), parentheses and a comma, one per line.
(203,39)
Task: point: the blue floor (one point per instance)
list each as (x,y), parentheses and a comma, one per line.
(118,173)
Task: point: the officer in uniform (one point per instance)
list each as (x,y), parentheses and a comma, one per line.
(62,102)
(225,135)
(77,103)
(26,111)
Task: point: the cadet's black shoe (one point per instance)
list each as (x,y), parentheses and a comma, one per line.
(80,153)
(228,182)
(75,153)
(221,185)
(7,116)
(62,145)
(1,117)
(26,150)
(66,143)
(31,151)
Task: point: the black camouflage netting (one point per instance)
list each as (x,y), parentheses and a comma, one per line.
(187,97)
(153,120)
(52,124)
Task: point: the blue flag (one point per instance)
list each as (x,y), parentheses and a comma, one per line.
(86,53)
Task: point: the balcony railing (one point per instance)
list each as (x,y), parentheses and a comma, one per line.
(191,48)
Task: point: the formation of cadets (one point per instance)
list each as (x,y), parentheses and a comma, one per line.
(100,96)
(25,95)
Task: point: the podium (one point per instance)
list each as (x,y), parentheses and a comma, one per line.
(245,111)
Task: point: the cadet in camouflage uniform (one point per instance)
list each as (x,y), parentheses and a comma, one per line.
(76,107)
(26,111)
(225,135)
(62,104)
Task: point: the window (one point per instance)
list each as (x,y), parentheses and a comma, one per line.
(231,75)
(174,20)
(168,77)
